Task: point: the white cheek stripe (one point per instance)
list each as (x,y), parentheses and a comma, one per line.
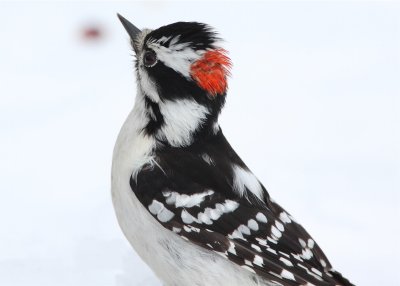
(179,57)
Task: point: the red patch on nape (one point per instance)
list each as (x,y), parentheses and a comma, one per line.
(211,71)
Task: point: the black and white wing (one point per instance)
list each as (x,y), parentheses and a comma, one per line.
(195,200)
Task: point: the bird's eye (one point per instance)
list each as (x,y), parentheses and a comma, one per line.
(149,58)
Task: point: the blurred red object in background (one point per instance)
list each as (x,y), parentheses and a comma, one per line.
(92,32)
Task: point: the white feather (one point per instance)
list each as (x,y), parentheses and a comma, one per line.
(178,57)
(186,201)
(245,179)
(181,119)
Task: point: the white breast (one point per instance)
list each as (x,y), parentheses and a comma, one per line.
(174,260)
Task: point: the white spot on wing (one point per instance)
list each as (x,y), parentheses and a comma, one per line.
(245,179)
(275,232)
(256,247)
(236,234)
(165,215)
(209,214)
(214,214)
(155,207)
(181,200)
(287,274)
(284,217)
(170,198)
(261,217)
(302,243)
(187,217)
(306,254)
(258,260)
(184,200)
(310,243)
(244,229)
(230,206)
(204,218)
(158,209)
(252,224)
(286,261)
(261,241)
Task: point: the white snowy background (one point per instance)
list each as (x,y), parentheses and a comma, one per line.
(313,109)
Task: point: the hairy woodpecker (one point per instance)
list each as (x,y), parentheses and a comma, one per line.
(184,199)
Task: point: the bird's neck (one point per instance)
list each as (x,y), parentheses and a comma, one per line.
(177,123)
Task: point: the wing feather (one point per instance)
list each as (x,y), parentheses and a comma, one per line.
(198,204)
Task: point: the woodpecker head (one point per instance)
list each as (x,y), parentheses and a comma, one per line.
(181,73)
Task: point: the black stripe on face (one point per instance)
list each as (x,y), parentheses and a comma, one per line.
(156,120)
(172,85)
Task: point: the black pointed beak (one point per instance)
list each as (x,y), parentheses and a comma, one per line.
(132,30)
